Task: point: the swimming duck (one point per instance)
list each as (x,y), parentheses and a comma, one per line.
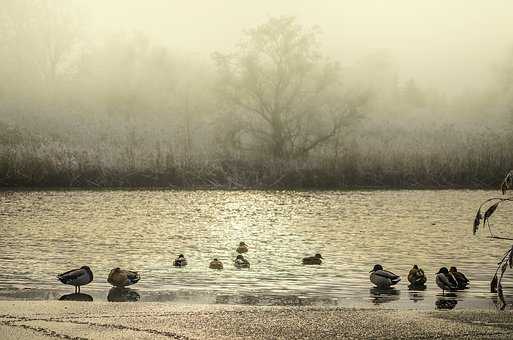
(216,264)
(461,279)
(416,276)
(180,261)
(241,262)
(77,277)
(443,280)
(242,248)
(316,259)
(383,278)
(122,278)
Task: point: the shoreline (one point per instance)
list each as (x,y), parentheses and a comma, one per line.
(146,320)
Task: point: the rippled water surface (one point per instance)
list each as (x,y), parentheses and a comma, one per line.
(44,233)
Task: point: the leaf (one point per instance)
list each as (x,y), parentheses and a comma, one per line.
(504,187)
(510,258)
(477,221)
(503,268)
(493,284)
(490,211)
(501,296)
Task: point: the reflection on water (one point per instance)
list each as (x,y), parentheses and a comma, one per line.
(415,296)
(46,232)
(76,297)
(378,296)
(275,300)
(118,294)
(447,301)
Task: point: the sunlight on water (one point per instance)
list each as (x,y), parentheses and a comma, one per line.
(48,232)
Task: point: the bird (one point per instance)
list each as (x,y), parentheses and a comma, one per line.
(442,280)
(416,276)
(216,264)
(180,261)
(122,278)
(77,277)
(461,279)
(316,259)
(242,248)
(241,262)
(383,278)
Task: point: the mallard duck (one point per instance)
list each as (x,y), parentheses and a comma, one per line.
(77,277)
(241,262)
(461,280)
(443,280)
(382,278)
(316,259)
(180,261)
(216,264)
(416,276)
(242,248)
(122,278)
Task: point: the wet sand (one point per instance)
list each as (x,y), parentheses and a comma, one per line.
(103,320)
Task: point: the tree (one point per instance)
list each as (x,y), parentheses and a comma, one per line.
(281,96)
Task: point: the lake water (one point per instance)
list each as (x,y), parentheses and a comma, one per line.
(44,233)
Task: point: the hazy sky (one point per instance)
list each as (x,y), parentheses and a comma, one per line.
(448,43)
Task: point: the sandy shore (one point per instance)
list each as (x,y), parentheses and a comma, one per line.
(103,320)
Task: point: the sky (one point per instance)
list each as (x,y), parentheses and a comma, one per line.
(450,44)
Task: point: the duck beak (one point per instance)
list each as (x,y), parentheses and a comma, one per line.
(371,271)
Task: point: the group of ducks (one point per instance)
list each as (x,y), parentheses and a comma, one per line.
(447,280)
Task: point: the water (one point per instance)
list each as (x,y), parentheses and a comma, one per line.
(48,232)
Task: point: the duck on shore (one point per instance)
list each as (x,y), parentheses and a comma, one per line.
(242,248)
(443,280)
(383,279)
(461,280)
(180,261)
(122,278)
(77,277)
(416,276)
(312,260)
(216,264)
(241,262)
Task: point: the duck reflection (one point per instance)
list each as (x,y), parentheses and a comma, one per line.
(379,296)
(76,297)
(448,301)
(119,294)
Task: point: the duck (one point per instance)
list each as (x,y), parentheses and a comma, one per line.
(241,262)
(316,259)
(216,264)
(443,280)
(77,277)
(180,261)
(383,278)
(416,276)
(461,280)
(242,248)
(122,278)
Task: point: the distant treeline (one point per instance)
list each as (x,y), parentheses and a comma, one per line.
(272,113)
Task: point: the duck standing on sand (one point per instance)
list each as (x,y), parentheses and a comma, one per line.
(122,278)
(241,262)
(443,280)
(180,261)
(242,248)
(383,279)
(416,276)
(77,277)
(461,279)
(216,264)
(310,260)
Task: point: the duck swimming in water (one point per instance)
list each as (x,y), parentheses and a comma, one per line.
(180,261)
(443,280)
(77,277)
(216,264)
(242,248)
(241,262)
(316,259)
(416,276)
(383,279)
(461,280)
(122,278)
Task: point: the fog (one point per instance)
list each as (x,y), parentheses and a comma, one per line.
(255,94)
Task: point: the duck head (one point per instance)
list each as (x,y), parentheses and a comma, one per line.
(215,260)
(240,257)
(181,256)
(318,256)
(242,244)
(376,268)
(443,270)
(415,266)
(453,270)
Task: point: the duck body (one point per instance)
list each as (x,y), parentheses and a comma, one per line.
(242,248)
(180,261)
(77,277)
(313,260)
(122,278)
(216,264)
(460,278)
(416,276)
(443,280)
(241,262)
(383,279)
